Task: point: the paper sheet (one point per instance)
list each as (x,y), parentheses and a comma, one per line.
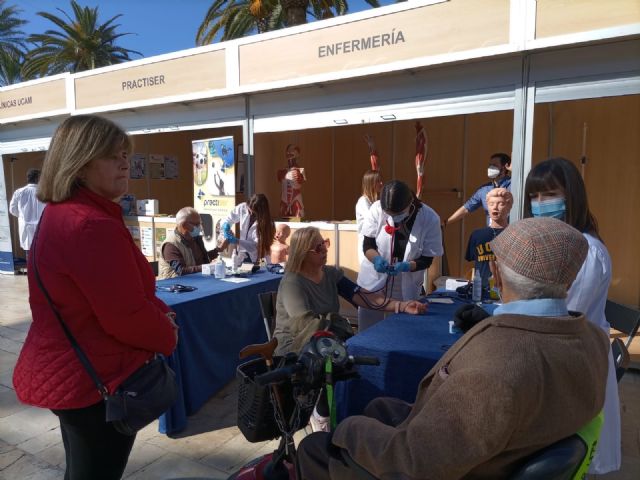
(235,279)
(440,300)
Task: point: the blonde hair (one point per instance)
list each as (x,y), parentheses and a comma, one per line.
(76,142)
(369,181)
(302,240)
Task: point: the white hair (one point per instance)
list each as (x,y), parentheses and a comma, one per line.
(525,288)
(183,214)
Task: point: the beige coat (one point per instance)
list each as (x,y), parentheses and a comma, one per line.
(512,385)
(164,269)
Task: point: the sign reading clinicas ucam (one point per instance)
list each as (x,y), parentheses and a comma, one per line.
(36,99)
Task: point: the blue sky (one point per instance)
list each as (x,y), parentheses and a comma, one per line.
(158,26)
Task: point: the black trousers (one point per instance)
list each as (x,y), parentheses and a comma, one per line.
(93,448)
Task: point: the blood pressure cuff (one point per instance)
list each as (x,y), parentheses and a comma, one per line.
(347,289)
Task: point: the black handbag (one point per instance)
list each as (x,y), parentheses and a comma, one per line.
(142,397)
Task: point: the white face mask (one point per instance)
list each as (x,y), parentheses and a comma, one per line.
(493,172)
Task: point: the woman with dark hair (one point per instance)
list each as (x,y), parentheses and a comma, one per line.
(401,237)
(554,188)
(371,187)
(257,229)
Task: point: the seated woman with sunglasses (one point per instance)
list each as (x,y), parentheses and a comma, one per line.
(311,287)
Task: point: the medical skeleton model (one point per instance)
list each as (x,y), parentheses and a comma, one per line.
(421,155)
(291,179)
(373,153)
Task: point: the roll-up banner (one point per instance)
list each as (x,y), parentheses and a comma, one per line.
(214,184)
(6,250)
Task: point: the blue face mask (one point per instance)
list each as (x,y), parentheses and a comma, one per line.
(196,232)
(554,207)
(399,218)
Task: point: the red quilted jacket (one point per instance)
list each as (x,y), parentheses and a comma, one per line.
(104,289)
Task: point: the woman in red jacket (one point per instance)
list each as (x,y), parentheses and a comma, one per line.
(102,286)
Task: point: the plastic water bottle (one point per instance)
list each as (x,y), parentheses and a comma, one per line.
(234,259)
(220,269)
(476,293)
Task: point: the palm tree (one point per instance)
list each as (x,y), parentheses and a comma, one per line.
(11,68)
(12,39)
(228,19)
(234,19)
(81,43)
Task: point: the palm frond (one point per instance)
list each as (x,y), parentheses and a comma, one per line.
(79,43)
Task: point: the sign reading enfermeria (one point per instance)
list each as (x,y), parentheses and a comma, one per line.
(359,44)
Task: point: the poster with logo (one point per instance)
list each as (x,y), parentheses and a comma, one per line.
(6,250)
(214,183)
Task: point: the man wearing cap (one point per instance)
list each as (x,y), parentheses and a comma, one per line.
(522,379)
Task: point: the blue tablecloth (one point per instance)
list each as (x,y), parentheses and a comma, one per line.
(216,321)
(407,346)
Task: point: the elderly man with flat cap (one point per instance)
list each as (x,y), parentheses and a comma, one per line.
(522,379)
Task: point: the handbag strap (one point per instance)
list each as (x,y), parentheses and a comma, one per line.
(79,352)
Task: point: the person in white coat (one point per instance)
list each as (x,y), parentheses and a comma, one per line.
(554,188)
(26,206)
(257,229)
(401,237)
(371,187)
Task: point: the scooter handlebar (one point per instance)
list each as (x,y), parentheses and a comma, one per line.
(278,375)
(358,360)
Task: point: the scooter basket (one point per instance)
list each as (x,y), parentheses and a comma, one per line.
(256,419)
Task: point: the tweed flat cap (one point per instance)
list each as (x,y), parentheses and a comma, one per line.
(543,249)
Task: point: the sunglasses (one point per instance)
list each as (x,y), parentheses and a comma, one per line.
(326,243)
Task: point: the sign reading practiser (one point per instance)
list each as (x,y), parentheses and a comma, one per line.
(166,78)
(143,82)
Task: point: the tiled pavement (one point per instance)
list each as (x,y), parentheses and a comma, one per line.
(210,448)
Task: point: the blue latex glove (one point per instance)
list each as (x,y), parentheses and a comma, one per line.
(226,232)
(380,264)
(402,267)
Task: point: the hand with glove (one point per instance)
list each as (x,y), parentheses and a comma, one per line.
(467,316)
(402,267)
(226,232)
(380,264)
(399,267)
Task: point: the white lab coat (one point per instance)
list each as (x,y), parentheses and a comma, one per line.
(588,294)
(425,239)
(362,207)
(26,206)
(248,240)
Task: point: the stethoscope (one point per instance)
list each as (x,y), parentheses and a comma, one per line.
(389,282)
